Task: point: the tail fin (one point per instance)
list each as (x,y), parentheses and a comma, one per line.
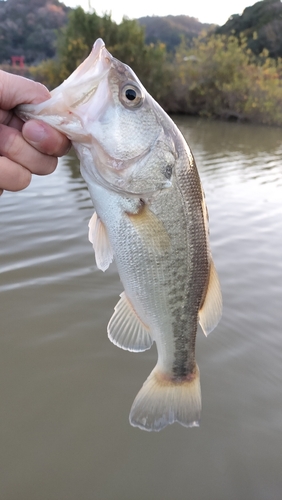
(162,401)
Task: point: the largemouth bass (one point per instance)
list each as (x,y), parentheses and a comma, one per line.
(151,217)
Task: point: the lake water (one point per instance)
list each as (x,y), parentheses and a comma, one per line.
(66,390)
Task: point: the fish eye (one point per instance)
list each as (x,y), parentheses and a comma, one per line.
(131,95)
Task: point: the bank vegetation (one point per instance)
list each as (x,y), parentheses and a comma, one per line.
(214,75)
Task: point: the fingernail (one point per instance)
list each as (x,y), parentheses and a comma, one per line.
(34,131)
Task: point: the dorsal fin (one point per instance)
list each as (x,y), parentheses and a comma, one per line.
(125,328)
(211,310)
(99,238)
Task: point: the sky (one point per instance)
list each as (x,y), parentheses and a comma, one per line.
(207,11)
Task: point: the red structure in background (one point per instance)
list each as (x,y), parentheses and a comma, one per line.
(18,61)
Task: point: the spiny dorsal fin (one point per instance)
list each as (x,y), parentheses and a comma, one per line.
(99,238)
(211,310)
(126,330)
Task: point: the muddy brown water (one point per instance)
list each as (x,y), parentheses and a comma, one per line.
(66,391)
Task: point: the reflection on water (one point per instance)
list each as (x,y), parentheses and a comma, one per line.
(237,149)
(66,391)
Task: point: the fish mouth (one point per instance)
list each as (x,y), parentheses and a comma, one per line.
(60,110)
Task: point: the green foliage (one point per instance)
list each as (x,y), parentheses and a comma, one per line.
(215,76)
(125,41)
(171,30)
(74,42)
(260,24)
(220,76)
(76,39)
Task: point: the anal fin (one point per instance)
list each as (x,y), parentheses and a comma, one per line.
(126,330)
(98,236)
(211,310)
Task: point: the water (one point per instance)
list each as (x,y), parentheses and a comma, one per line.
(66,391)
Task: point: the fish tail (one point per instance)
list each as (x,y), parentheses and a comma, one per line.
(163,400)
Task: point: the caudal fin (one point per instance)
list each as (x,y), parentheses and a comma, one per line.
(162,401)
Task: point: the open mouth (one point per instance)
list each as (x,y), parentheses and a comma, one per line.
(60,110)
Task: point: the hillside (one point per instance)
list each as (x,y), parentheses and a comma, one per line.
(171,29)
(261,24)
(27,27)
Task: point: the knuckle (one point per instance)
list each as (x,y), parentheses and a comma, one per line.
(13,176)
(42,90)
(49,165)
(11,143)
(24,180)
(64,146)
(57,144)
(53,164)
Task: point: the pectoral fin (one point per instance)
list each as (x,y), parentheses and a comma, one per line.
(150,229)
(98,236)
(211,310)
(126,330)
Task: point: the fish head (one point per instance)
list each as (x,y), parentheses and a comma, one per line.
(62,110)
(123,138)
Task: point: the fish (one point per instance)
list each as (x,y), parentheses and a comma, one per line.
(151,217)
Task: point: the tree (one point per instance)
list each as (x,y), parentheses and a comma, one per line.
(260,24)
(220,76)
(27,27)
(125,41)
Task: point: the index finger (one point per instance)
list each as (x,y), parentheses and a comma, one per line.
(16,90)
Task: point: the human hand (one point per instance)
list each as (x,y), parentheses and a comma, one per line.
(30,148)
